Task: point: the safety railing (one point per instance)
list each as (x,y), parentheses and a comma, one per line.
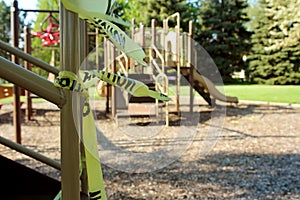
(21,54)
(30,81)
(161,80)
(34,83)
(69,60)
(126,61)
(22,149)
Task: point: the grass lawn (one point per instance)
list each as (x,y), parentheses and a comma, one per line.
(10,100)
(268,93)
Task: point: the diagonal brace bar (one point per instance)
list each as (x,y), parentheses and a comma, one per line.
(29,58)
(30,81)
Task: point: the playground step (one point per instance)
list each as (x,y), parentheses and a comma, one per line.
(133,99)
(19,182)
(146,79)
(141,109)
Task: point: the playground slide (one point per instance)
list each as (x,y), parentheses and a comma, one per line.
(209,86)
(204,87)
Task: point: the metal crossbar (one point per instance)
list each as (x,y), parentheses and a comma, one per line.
(29,58)
(30,81)
(22,149)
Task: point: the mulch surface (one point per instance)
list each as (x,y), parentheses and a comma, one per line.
(255,155)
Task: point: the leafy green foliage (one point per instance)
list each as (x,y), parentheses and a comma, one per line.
(145,11)
(276,49)
(223,34)
(4,26)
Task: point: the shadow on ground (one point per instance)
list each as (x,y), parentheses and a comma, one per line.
(218,176)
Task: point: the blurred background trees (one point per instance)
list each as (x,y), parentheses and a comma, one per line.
(4,25)
(275,53)
(222,32)
(258,36)
(5,34)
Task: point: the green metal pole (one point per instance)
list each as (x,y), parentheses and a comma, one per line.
(22,149)
(33,60)
(113,88)
(14,12)
(27,65)
(83,52)
(30,81)
(191,63)
(69,59)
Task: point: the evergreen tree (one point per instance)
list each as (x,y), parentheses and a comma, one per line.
(275,52)
(128,9)
(223,34)
(144,11)
(5,33)
(259,65)
(4,26)
(160,9)
(252,11)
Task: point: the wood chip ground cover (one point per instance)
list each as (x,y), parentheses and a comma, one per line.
(257,156)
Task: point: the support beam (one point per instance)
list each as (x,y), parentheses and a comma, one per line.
(69,59)
(83,53)
(113,88)
(30,81)
(14,13)
(191,63)
(22,149)
(27,65)
(35,61)
(39,11)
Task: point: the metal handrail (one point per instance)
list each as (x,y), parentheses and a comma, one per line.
(160,73)
(164,89)
(30,81)
(177,29)
(22,149)
(161,59)
(33,60)
(177,15)
(124,68)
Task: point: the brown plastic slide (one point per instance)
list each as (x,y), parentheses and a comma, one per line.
(204,87)
(210,88)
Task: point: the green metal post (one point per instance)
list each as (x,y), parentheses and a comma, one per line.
(14,12)
(30,81)
(83,52)
(22,149)
(27,65)
(97,48)
(33,60)
(191,63)
(113,88)
(69,22)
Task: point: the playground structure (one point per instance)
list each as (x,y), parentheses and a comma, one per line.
(168,50)
(49,37)
(73,29)
(50,34)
